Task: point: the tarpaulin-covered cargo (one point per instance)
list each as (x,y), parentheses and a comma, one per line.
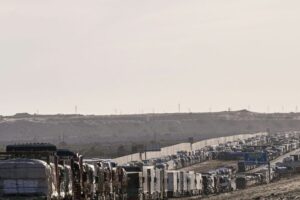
(225,183)
(89,177)
(242,182)
(231,155)
(243,166)
(67,183)
(209,183)
(27,177)
(31,147)
(119,182)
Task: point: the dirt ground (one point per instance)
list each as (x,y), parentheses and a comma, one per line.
(284,189)
(210,165)
(287,188)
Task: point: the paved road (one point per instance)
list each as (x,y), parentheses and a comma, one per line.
(279,159)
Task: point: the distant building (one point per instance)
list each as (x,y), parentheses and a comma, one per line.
(22,115)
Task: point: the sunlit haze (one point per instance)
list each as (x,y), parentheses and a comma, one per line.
(137,56)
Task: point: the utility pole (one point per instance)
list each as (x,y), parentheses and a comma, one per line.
(75,109)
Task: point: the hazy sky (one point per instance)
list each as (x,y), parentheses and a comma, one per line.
(133,56)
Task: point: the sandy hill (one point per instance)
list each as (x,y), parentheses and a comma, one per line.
(117,134)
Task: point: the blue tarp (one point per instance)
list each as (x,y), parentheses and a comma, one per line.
(256,158)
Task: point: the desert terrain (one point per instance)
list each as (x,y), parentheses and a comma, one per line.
(117,135)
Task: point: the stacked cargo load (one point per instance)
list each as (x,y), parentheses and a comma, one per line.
(209,185)
(27,177)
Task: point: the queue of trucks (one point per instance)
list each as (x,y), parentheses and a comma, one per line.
(42,171)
